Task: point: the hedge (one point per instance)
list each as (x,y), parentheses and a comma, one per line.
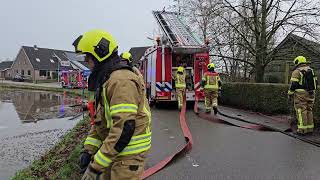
(266,98)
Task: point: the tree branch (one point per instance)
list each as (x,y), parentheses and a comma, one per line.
(236,59)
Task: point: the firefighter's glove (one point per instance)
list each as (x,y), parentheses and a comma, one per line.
(91,174)
(311,93)
(85,108)
(290,97)
(202,83)
(85,159)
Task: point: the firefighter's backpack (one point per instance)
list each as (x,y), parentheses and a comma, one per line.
(309,81)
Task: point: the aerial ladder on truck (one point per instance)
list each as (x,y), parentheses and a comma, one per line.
(177,45)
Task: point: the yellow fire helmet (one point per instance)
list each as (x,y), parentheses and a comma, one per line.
(210,66)
(299,60)
(98,43)
(180,69)
(126,56)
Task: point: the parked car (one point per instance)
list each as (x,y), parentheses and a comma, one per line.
(19,78)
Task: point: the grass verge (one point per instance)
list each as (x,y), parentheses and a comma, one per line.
(61,161)
(41,88)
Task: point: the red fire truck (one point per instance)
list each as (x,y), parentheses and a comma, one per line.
(73,79)
(177,47)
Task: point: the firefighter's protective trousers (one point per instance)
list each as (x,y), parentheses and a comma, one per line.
(303,100)
(180,80)
(211,81)
(121,135)
(211,98)
(303,104)
(180,94)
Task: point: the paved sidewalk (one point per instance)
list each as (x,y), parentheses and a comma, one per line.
(277,122)
(280,123)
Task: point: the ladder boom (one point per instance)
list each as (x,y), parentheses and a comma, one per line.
(175,30)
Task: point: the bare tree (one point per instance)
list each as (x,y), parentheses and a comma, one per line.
(205,18)
(266,19)
(245,32)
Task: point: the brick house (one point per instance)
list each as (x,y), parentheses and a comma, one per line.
(279,70)
(5,69)
(41,63)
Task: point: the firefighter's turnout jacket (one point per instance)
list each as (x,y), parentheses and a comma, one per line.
(303,86)
(180,82)
(211,83)
(123,120)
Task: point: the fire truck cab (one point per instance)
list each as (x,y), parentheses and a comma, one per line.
(177,47)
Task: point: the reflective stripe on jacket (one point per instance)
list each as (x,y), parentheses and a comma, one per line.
(180,80)
(122,99)
(211,80)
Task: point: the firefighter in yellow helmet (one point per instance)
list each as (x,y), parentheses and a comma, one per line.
(212,85)
(126,56)
(302,88)
(180,81)
(121,135)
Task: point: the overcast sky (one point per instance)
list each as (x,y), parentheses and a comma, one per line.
(56,23)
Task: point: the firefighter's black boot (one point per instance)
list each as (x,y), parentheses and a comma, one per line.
(215,110)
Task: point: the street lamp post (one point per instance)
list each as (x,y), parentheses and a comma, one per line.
(58,74)
(54,55)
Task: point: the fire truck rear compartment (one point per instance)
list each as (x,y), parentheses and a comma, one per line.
(187,61)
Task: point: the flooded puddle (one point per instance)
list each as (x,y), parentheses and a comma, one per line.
(31,122)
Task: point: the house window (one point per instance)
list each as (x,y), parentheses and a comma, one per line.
(43,73)
(29,72)
(37,59)
(22,72)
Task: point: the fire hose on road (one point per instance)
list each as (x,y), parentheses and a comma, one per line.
(253,125)
(188,138)
(189,141)
(186,148)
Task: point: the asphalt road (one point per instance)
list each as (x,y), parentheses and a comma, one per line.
(220,151)
(227,152)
